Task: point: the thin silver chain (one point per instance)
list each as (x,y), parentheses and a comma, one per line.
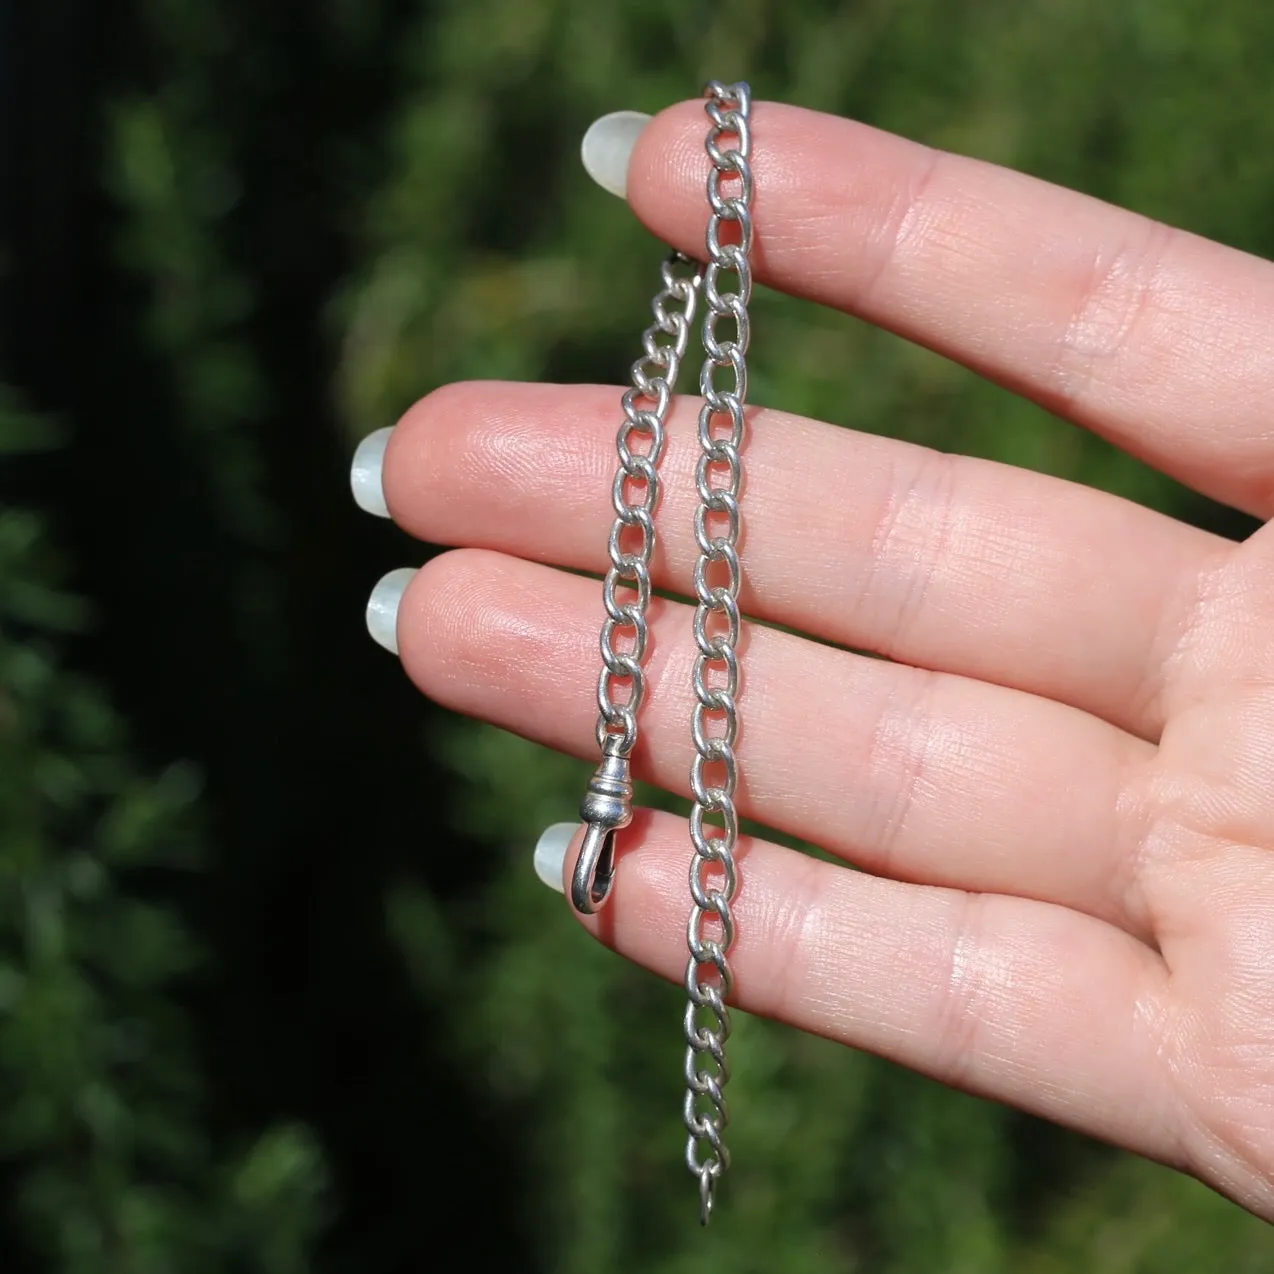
(714,722)
(607,805)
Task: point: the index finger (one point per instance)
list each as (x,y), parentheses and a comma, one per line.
(1154,338)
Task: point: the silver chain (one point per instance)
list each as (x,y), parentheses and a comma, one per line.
(714,721)
(607,806)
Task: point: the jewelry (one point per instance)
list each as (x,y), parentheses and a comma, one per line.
(607,806)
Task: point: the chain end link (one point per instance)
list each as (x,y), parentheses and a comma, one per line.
(607,806)
(707,1182)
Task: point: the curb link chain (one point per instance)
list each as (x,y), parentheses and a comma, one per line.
(607,806)
(714,722)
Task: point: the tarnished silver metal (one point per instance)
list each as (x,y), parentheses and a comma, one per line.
(714,776)
(607,806)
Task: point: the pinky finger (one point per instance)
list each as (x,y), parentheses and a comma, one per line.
(1046,1009)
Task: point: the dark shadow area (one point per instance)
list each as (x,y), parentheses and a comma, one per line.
(246,653)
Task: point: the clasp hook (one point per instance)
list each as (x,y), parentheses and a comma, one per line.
(607,806)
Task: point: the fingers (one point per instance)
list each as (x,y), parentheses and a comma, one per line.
(924,777)
(1051,1011)
(944,562)
(1156,339)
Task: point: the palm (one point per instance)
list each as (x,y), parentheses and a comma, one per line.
(1059,781)
(1204,827)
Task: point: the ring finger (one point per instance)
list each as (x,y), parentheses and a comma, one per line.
(921,776)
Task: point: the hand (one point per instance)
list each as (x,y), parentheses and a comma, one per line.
(1060,783)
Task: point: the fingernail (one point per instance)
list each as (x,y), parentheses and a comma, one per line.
(382,607)
(607,146)
(550,853)
(365,473)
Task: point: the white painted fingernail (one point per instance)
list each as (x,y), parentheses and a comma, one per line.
(365,473)
(382,607)
(550,853)
(607,146)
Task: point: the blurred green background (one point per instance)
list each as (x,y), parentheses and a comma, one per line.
(278,989)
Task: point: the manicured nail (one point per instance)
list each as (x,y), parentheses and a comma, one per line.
(365,473)
(606,148)
(550,853)
(382,607)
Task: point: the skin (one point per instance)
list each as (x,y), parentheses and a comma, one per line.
(1059,782)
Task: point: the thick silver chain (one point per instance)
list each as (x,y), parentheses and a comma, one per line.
(714,722)
(607,806)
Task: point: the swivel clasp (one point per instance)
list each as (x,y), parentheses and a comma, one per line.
(607,806)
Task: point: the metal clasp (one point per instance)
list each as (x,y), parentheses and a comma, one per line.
(607,806)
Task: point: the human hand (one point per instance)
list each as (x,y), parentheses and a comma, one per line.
(1060,781)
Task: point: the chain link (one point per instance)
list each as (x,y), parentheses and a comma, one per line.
(621,684)
(714,722)
(634,495)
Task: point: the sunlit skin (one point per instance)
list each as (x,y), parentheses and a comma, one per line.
(1060,784)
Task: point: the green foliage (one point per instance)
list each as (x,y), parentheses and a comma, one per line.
(102,1121)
